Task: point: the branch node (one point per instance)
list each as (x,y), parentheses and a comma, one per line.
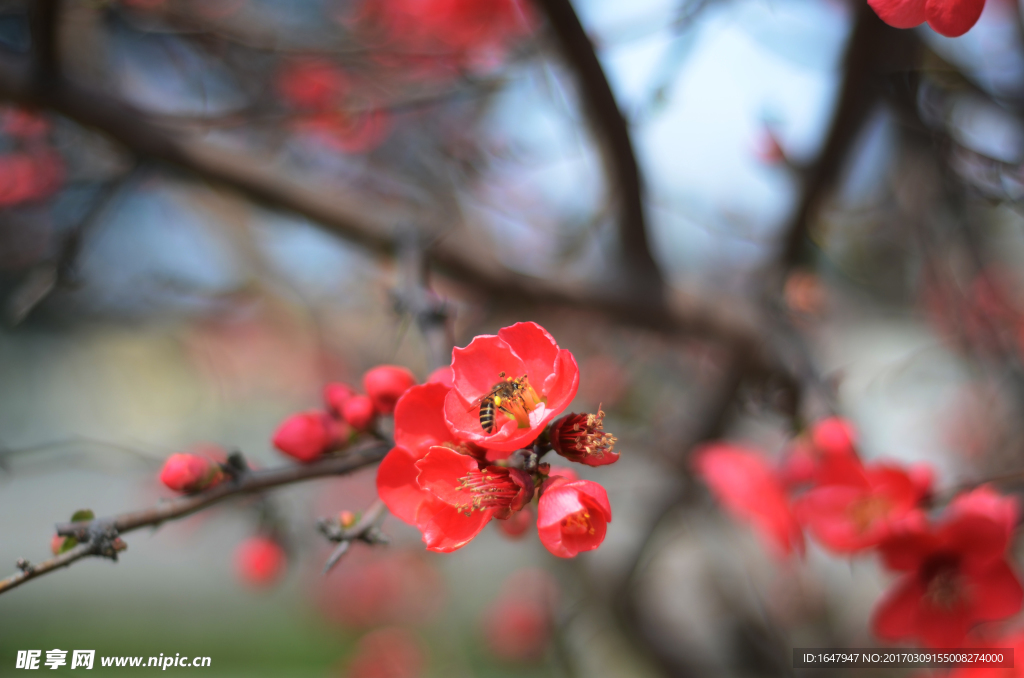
(23,565)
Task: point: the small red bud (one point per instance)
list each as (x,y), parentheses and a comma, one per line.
(304,436)
(56,544)
(259,561)
(442,375)
(336,394)
(385,384)
(517,524)
(359,412)
(189,473)
(834,436)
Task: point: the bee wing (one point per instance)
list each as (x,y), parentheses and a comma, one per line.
(476,403)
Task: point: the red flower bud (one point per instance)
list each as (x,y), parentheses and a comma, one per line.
(581,438)
(336,394)
(572,516)
(385,384)
(260,561)
(359,412)
(189,473)
(442,375)
(307,435)
(517,524)
(346,519)
(387,653)
(517,625)
(56,544)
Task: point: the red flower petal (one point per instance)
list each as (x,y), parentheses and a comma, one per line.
(996,594)
(445,528)
(419,419)
(748,487)
(397,487)
(895,616)
(900,13)
(953,18)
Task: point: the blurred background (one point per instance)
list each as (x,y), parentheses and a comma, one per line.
(737,214)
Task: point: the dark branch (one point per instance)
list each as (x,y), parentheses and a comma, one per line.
(728,320)
(600,105)
(44,16)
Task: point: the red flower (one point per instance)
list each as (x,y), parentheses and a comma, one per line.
(745,483)
(859,513)
(387,653)
(419,425)
(517,524)
(420,428)
(260,561)
(312,84)
(951,18)
(518,624)
(582,438)
(827,454)
(25,177)
(385,384)
(359,412)
(307,435)
(465,497)
(459,25)
(957,572)
(526,355)
(572,516)
(190,473)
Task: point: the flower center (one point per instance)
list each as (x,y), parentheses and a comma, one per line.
(944,587)
(491,488)
(513,397)
(577,523)
(864,512)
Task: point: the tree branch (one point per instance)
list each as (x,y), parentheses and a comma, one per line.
(641,272)
(729,320)
(248,482)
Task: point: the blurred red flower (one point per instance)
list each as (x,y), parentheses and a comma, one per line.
(387,653)
(745,483)
(859,511)
(517,625)
(260,561)
(385,384)
(957,572)
(25,177)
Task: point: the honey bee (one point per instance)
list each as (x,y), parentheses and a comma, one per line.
(511,396)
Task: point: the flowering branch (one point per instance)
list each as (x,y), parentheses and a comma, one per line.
(100,536)
(366,529)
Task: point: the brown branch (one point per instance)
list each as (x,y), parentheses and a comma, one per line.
(44,17)
(248,482)
(873,50)
(641,271)
(729,320)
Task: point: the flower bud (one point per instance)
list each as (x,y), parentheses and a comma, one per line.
(581,438)
(516,525)
(260,561)
(336,394)
(442,375)
(346,519)
(385,384)
(56,544)
(305,436)
(190,473)
(359,412)
(835,436)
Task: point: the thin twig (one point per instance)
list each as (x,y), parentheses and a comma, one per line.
(249,482)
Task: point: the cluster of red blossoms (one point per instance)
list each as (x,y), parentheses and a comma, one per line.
(449,475)
(953,566)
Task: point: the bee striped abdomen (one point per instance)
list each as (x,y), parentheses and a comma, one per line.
(487,415)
